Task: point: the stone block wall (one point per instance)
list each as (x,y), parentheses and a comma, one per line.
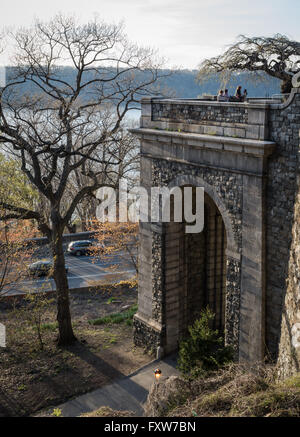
(247,157)
(226,113)
(289,346)
(188,296)
(216,266)
(237,120)
(281,207)
(175,309)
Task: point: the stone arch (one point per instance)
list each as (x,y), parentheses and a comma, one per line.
(197,181)
(195,268)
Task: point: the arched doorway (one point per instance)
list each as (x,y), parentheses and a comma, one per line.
(195,274)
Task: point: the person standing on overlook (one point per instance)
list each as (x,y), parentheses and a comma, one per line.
(238,94)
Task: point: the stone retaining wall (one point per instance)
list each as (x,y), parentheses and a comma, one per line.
(283,237)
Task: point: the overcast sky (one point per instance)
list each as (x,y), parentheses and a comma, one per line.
(184,31)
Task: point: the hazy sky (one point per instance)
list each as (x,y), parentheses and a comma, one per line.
(184,31)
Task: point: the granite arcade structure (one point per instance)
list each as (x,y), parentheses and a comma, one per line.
(245,264)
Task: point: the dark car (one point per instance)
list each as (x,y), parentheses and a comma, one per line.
(42,268)
(78,248)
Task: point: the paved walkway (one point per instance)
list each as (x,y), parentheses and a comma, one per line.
(128,393)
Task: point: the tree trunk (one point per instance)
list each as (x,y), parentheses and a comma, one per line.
(71,228)
(66,335)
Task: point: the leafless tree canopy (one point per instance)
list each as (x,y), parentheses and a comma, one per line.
(58,128)
(63,128)
(125,148)
(278,56)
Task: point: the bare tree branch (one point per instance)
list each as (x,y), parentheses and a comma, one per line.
(66,127)
(278,56)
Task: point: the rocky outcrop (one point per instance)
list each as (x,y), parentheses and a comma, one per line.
(166,394)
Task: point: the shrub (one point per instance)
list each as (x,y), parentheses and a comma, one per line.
(57,412)
(33,312)
(203,349)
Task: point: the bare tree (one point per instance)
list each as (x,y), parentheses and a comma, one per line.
(55,123)
(120,239)
(278,56)
(125,147)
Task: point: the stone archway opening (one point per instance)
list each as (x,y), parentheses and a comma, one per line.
(195,274)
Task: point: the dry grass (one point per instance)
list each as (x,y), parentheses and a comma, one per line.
(108,412)
(239,392)
(32,379)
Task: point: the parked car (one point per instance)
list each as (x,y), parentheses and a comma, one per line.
(42,267)
(79,248)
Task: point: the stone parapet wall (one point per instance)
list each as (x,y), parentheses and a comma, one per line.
(225,113)
(238,120)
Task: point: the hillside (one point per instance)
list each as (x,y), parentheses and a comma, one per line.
(233,392)
(178,83)
(185,85)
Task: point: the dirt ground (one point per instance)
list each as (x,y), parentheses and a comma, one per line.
(32,379)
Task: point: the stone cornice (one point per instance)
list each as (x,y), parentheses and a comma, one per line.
(238,145)
(150,322)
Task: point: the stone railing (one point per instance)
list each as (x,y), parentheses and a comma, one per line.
(208,117)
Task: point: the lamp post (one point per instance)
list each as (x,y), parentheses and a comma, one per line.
(157,374)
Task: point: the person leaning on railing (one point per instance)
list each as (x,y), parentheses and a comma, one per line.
(221,97)
(239,97)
